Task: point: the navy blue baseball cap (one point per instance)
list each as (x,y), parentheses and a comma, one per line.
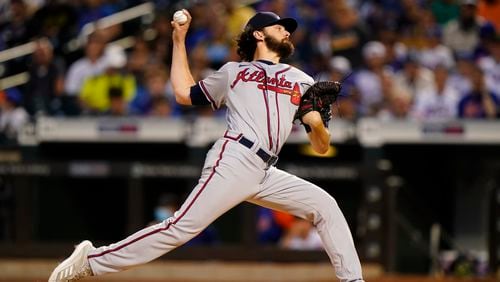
(263,19)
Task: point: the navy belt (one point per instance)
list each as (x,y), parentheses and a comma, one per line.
(268,159)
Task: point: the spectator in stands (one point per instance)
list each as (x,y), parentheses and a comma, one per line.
(91,65)
(338,68)
(396,51)
(347,35)
(479,102)
(148,93)
(438,103)
(14,31)
(435,53)
(410,21)
(160,107)
(272,225)
(117,104)
(416,37)
(96,91)
(12,115)
(397,100)
(140,58)
(301,235)
(487,34)
(46,81)
(414,78)
(460,77)
(56,20)
(462,34)
(491,66)
(369,92)
(218,48)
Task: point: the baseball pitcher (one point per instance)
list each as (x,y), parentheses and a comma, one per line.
(263,97)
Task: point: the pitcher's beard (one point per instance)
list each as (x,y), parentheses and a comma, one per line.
(283,48)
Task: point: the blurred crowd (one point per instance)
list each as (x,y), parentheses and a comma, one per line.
(398,59)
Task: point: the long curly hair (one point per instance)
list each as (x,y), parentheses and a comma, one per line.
(246,45)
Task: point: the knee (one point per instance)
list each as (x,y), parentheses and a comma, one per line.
(326,211)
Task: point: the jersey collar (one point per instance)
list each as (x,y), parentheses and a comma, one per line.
(266,62)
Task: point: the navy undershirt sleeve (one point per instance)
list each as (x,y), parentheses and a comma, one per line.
(197,96)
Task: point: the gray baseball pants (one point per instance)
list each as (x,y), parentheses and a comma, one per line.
(232,174)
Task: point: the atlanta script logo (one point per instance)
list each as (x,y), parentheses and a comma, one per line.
(281,85)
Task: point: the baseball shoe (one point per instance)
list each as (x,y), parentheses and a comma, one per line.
(75,267)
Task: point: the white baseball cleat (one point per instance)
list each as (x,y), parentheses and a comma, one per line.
(76,266)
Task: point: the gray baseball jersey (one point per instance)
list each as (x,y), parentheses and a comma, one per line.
(261,100)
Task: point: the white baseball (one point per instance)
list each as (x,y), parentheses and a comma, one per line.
(180,17)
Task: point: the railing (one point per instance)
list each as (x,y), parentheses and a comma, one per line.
(76,43)
(368,131)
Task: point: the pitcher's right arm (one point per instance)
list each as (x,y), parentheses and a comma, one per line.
(180,74)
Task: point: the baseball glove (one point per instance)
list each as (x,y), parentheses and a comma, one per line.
(319,97)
